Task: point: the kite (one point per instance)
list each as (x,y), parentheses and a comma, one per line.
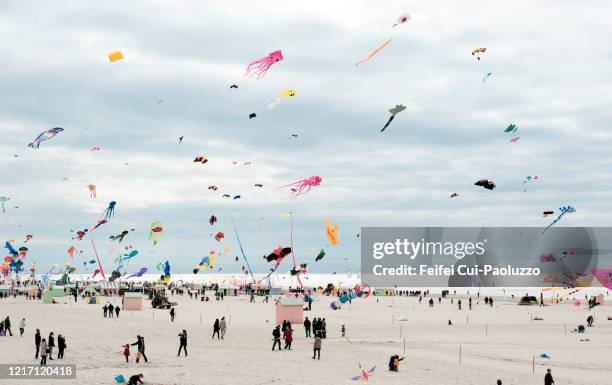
(453,195)
(486,77)
(252,115)
(226,249)
(394,111)
(258,185)
(476,52)
(404,17)
(547,213)
(23,252)
(289,92)
(92,190)
(28,237)
(236,197)
(529,179)
(278,254)
(246,164)
(304,185)
(180,140)
(511,128)
(120,236)
(110,210)
(95,149)
(8,245)
(604,276)
(214,188)
(320,256)
(226,196)
(158,100)
(563,210)
(139,273)
(100,223)
(81,234)
(364,376)
(71,250)
(200,159)
(258,68)
(3,200)
(234,86)
(332,232)
(46,135)
(373,52)
(115,56)
(156,232)
(165,277)
(212,220)
(359,291)
(293,136)
(207,261)
(544,355)
(219,236)
(303,269)
(515,139)
(489,185)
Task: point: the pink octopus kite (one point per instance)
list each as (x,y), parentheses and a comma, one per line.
(303,186)
(260,67)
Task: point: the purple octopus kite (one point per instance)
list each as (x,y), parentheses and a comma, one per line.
(260,67)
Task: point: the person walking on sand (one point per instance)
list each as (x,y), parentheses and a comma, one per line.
(111,310)
(316,347)
(22,325)
(61,346)
(499,382)
(43,352)
(37,342)
(216,329)
(307,325)
(343,330)
(491,302)
(459,304)
(172,314)
(126,352)
(7,326)
(276,333)
(105,308)
(323,328)
(470,303)
(222,327)
(51,345)
(117,310)
(182,342)
(548,378)
(288,337)
(140,343)
(590,321)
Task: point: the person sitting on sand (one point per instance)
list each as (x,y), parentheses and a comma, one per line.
(580,329)
(136,379)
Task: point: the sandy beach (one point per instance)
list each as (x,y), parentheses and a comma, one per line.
(498,342)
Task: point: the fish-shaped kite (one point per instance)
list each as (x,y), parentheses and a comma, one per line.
(45,136)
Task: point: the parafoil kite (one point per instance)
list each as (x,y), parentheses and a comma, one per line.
(320,256)
(289,92)
(489,185)
(477,51)
(219,236)
(115,56)
(258,68)
(156,232)
(46,135)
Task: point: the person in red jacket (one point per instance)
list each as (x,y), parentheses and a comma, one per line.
(288,336)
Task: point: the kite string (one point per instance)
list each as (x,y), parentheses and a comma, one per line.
(374,52)
(97,257)
(241,250)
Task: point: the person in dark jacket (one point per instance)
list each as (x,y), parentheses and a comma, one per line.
(7,326)
(37,340)
(111,309)
(183,342)
(51,344)
(172,313)
(307,325)
(277,335)
(105,308)
(141,348)
(117,310)
(61,346)
(548,378)
(136,379)
(216,329)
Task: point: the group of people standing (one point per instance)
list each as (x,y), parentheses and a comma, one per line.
(44,347)
(109,310)
(318,326)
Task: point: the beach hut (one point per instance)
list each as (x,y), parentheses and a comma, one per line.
(5,290)
(109,288)
(132,300)
(528,300)
(289,309)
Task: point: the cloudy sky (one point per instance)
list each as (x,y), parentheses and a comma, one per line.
(550,65)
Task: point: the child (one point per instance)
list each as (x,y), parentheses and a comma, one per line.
(343,331)
(126,352)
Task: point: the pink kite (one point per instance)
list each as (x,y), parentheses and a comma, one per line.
(515,139)
(260,67)
(604,276)
(71,251)
(303,186)
(28,237)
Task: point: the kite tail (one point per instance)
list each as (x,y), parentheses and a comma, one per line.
(98,258)
(242,250)
(34,145)
(374,52)
(388,122)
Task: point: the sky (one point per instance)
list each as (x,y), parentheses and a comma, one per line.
(551,74)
